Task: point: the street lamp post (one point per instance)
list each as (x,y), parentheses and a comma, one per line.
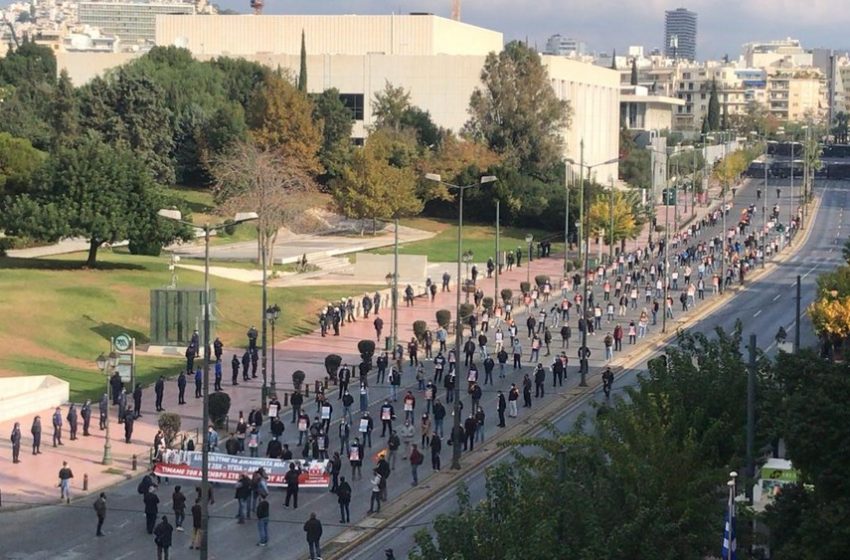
(496,294)
(176,216)
(272,314)
(611,223)
(457,444)
(566,216)
(528,239)
(106,364)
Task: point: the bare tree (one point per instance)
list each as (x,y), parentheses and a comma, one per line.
(278,189)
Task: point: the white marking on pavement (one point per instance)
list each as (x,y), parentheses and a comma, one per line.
(757,313)
(778,296)
(125,555)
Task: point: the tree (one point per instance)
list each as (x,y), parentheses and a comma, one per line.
(625,214)
(253,178)
(336,123)
(841,130)
(19,161)
(372,188)
(634,78)
(428,134)
(129,109)
(713,117)
(389,106)
(302,74)
(614,60)
(516,112)
(25,113)
(29,63)
(280,119)
(64,111)
(91,190)
(634,168)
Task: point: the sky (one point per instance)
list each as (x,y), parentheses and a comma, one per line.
(722,25)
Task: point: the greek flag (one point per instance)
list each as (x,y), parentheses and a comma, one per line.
(729,540)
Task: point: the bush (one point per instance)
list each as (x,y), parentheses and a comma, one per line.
(298,379)
(219,405)
(444,318)
(507,295)
(540,280)
(169,425)
(487,302)
(148,247)
(419,328)
(367,350)
(466,309)
(332,363)
(524,287)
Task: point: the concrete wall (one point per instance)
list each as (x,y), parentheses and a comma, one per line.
(22,397)
(236,35)
(411,268)
(82,67)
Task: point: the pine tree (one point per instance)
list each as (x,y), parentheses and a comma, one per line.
(302,74)
(614,60)
(634,81)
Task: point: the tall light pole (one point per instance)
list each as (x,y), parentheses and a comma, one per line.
(457,444)
(176,216)
(107,364)
(611,223)
(272,314)
(566,217)
(497,297)
(467,260)
(528,239)
(264,391)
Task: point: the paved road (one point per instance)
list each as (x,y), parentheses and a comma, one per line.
(763,306)
(72,527)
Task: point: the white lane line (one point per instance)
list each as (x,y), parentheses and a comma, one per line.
(757,313)
(810,271)
(125,555)
(779,295)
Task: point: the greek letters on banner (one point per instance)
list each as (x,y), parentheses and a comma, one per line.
(273,410)
(228,468)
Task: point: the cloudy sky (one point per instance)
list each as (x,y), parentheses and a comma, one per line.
(723,25)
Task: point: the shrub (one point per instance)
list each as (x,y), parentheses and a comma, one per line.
(487,302)
(169,425)
(148,247)
(466,309)
(540,280)
(507,295)
(419,328)
(444,318)
(219,405)
(524,287)
(332,363)
(367,350)
(298,379)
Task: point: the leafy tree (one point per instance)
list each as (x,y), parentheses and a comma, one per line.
(841,130)
(625,213)
(280,119)
(389,106)
(241,78)
(64,111)
(92,190)
(129,109)
(29,63)
(18,163)
(302,74)
(25,113)
(428,134)
(713,117)
(516,112)
(634,168)
(335,118)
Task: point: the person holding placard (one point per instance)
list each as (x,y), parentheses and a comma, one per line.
(409,405)
(355,458)
(387,415)
(365,428)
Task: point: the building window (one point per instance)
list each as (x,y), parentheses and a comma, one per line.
(686,76)
(691,86)
(354,103)
(702,96)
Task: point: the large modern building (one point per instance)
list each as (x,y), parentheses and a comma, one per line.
(565,46)
(439,61)
(132,21)
(680,34)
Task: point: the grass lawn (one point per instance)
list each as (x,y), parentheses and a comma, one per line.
(60,316)
(200,202)
(481,239)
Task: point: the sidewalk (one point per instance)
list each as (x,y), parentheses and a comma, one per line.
(34,480)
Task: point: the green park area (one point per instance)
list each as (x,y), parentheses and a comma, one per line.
(60,315)
(480,239)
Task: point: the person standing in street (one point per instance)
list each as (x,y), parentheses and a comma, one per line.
(263,521)
(178,504)
(85,413)
(57,427)
(416,459)
(103,411)
(500,408)
(313,528)
(291,479)
(162,537)
(151,508)
(16,443)
(72,421)
(181,388)
(128,426)
(375,499)
(35,430)
(65,476)
(100,511)
(343,494)
(159,390)
(197,514)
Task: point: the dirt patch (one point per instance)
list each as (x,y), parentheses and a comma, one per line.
(17,345)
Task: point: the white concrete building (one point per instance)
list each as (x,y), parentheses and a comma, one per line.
(439,61)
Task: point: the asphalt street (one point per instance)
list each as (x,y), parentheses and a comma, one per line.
(67,532)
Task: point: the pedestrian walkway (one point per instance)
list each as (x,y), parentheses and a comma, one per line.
(34,480)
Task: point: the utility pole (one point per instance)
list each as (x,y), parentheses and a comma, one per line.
(765,229)
(611,225)
(581,197)
(751,417)
(797,319)
(567,175)
(497,296)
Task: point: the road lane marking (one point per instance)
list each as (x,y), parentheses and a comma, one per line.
(779,295)
(757,313)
